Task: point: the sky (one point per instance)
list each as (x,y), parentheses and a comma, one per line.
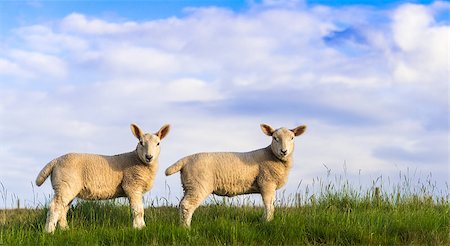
(369,79)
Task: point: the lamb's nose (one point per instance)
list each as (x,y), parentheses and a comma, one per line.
(284,151)
(148,157)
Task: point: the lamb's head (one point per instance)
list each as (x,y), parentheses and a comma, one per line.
(148,146)
(282,140)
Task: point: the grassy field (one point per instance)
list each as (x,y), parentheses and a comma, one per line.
(341,217)
(339,222)
(331,212)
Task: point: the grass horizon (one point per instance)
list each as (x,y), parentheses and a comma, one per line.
(406,184)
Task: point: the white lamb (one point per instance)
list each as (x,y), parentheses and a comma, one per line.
(229,174)
(95,177)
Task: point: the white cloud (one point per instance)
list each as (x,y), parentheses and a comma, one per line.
(79,23)
(43,38)
(139,61)
(31,64)
(191,90)
(8,67)
(424,45)
(410,23)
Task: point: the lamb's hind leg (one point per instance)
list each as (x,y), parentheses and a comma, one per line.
(52,215)
(57,211)
(189,204)
(63,217)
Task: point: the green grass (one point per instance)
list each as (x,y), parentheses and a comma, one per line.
(333,219)
(329,212)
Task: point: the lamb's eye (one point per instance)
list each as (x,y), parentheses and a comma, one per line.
(275,138)
(157,144)
(292,138)
(141,143)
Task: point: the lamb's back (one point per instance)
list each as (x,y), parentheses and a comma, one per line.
(226,173)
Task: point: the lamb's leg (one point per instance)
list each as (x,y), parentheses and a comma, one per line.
(57,210)
(137,209)
(189,204)
(268,196)
(53,214)
(63,217)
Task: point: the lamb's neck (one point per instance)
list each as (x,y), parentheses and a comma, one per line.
(132,157)
(288,163)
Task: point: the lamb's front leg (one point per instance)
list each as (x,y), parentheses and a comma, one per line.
(137,209)
(268,196)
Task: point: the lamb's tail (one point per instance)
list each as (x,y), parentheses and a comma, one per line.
(176,167)
(45,172)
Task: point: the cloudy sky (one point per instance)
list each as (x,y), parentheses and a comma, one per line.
(369,78)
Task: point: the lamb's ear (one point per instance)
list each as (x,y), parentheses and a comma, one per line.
(162,133)
(137,132)
(299,130)
(268,130)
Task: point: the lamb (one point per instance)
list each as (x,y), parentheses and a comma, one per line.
(229,174)
(95,177)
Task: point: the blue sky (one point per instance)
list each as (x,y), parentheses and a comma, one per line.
(22,12)
(369,78)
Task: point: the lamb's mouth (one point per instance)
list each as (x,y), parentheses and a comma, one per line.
(148,159)
(282,156)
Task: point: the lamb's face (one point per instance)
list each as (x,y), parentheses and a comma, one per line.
(148,147)
(282,140)
(282,143)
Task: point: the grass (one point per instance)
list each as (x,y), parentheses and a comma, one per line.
(337,214)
